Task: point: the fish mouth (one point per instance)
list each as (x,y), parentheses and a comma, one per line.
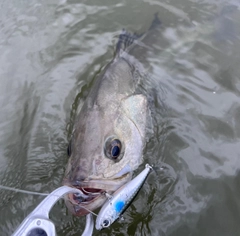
(80,204)
(93,195)
(90,195)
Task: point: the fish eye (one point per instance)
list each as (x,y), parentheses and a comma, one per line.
(106,223)
(113,149)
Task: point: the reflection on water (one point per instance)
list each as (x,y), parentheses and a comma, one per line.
(50,53)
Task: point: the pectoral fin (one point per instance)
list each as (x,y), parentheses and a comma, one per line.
(135,108)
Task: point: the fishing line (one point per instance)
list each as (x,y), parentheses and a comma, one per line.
(89,210)
(38,193)
(23,191)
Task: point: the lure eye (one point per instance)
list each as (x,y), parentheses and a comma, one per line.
(106,223)
(113,149)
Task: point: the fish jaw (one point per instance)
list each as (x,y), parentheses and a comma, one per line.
(89,204)
(94,194)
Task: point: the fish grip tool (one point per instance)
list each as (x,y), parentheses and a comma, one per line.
(38,223)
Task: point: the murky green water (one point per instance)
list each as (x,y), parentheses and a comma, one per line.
(50,52)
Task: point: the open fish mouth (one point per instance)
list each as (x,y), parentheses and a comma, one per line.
(82,204)
(90,194)
(93,194)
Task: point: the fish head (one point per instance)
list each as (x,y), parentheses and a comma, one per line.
(106,147)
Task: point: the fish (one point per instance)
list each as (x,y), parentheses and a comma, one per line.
(120,200)
(109,134)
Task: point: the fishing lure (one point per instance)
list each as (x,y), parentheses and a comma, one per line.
(120,200)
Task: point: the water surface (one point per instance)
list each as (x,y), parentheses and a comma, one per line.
(51,52)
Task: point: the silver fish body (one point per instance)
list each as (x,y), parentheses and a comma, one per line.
(119,201)
(110,131)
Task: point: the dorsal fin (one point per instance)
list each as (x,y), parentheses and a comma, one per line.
(125,40)
(156,22)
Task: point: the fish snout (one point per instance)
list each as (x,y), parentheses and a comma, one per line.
(77,174)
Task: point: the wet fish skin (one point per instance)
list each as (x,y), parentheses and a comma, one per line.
(113,120)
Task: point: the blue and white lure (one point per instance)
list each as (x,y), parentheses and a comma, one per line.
(119,201)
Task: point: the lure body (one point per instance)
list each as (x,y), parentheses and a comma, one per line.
(119,201)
